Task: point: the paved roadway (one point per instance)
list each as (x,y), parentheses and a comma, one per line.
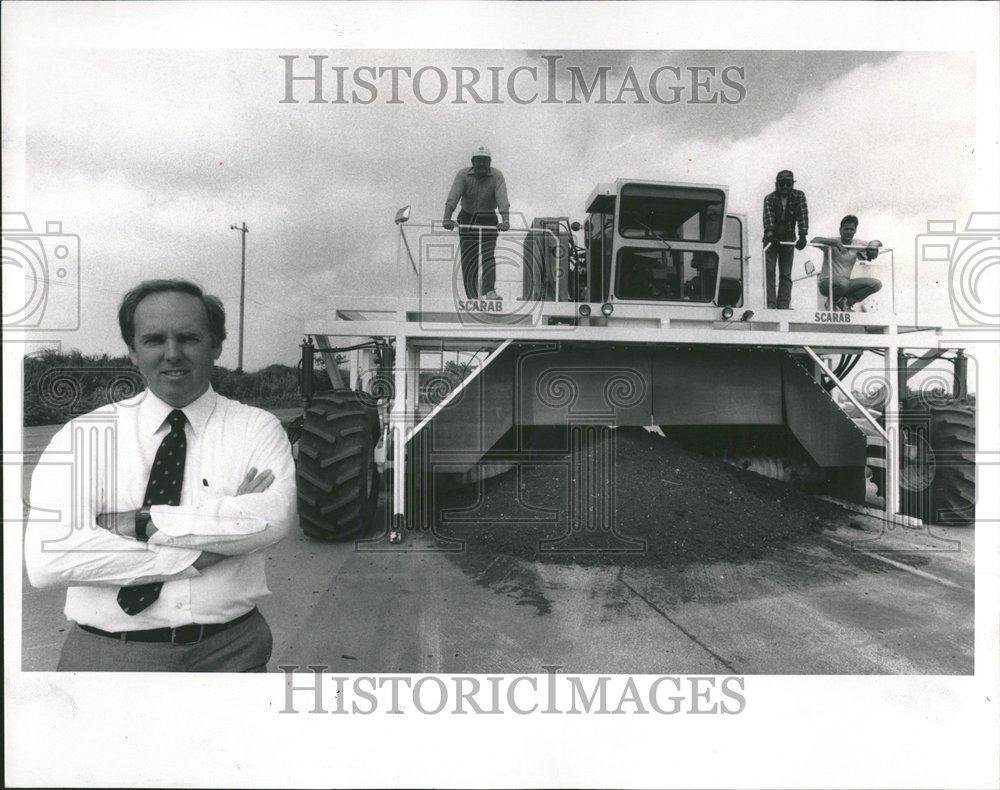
(897,602)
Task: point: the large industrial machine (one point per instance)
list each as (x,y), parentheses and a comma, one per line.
(656,319)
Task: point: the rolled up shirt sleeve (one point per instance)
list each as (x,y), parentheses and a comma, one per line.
(235,525)
(63,543)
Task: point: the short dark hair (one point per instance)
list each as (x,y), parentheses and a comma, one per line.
(213,307)
(849,218)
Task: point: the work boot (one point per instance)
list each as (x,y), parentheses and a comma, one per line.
(492,296)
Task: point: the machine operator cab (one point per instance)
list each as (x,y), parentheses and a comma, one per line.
(657,243)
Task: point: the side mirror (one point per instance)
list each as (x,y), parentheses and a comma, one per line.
(810,268)
(402,215)
(575,226)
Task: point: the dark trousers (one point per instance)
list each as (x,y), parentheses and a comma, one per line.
(474,243)
(782,254)
(246,647)
(855,290)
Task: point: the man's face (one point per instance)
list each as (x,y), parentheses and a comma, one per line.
(173,348)
(847,231)
(481,165)
(784,186)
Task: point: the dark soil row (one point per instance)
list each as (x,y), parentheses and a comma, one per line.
(629,497)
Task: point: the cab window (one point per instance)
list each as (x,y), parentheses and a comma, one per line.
(671,213)
(666,275)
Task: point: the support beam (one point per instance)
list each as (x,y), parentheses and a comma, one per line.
(458,389)
(330,361)
(903,372)
(847,391)
(892,442)
(919,363)
(961,362)
(397,422)
(677,333)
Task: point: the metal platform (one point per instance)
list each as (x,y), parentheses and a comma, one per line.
(444,320)
(537,270)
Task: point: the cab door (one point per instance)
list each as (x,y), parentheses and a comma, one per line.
(733,263)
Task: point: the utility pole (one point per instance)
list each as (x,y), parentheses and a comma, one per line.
(244,230)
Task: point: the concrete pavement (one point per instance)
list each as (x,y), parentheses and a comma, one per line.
(852,600)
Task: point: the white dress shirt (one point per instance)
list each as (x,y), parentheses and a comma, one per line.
(100,463)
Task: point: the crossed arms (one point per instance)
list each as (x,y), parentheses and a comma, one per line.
(74,535)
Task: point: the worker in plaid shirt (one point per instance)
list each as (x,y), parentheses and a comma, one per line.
(783,210)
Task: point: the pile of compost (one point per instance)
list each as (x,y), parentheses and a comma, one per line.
(667,505)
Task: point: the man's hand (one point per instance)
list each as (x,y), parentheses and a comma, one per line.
(503,226)
(768,239)
(206,560)
(449,224)
(801,243)
(122,524)
(839,246)
(871,252)
(255,483)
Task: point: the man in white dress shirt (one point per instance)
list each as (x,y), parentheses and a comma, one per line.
(164,575)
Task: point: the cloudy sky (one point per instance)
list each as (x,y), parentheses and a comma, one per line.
(150,155)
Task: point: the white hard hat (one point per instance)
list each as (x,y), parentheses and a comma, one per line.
(481,151)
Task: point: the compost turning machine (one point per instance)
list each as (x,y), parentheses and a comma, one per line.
(658,319)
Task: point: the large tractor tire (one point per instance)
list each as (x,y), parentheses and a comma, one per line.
(337,476)
(951,467)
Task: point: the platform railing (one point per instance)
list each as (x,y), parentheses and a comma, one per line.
(877,246)
(430,266)
(827,251)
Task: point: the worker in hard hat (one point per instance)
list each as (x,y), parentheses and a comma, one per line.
(482,192)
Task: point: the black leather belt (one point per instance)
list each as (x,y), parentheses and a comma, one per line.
(182,635)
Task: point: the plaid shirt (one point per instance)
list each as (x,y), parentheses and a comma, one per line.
(783,225)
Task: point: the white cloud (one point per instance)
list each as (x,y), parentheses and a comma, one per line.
(151,155)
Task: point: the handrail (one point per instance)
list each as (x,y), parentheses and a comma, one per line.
(872,245)
(850,395)
(409,252)
(461,386)
(437,226)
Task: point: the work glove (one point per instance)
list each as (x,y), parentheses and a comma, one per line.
(801,243)
(449,224)
(503,226)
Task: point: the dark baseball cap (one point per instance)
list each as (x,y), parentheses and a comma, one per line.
(785,175)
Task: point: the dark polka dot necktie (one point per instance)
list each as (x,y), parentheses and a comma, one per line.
(163,488)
